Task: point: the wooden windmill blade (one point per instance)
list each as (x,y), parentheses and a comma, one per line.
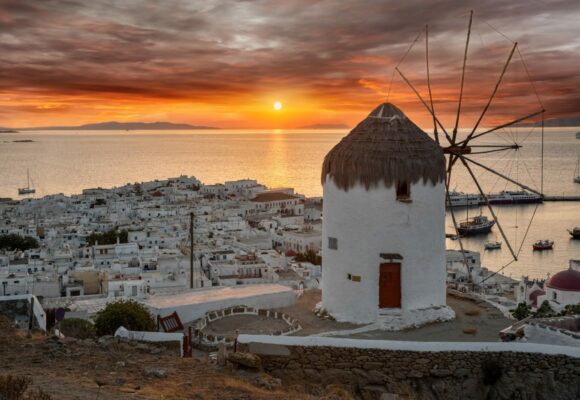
(466,150)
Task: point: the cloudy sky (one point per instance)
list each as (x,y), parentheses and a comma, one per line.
(224,63)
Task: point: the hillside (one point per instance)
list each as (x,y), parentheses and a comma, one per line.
(557,122)
(325,126)
(120,126)
(107,369)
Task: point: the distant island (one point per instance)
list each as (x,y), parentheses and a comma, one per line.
(556,122)
(5,130)
(120,126)
(325,126)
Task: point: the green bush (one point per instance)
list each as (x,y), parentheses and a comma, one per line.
(17,242)
(571,309)
(545,311)
(522,311)
(109,237)
(128,313)
(77,328)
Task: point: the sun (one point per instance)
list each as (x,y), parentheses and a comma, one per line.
(277,106)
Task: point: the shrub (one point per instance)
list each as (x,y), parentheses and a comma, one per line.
(77,328)
(109,237)
(571,309)
(128,313)
(522,311)
(13,387)
(544,311)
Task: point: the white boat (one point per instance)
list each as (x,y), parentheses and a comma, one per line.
(460,199)
(492,245)
(514,197)
(27,189)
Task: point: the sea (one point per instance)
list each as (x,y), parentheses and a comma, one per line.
(69,161)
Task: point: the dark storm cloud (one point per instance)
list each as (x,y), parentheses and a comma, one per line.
(203,50)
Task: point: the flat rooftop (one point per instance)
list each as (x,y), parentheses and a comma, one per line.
(221,293)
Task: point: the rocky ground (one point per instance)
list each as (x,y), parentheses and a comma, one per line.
(112,370)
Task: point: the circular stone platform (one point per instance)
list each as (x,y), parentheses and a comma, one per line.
(224,325)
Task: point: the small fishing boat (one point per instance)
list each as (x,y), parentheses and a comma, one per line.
(492,245)
(27,189)
(541,245)
(475,226)
(575,232)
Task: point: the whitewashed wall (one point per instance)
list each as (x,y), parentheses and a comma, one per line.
(368,223)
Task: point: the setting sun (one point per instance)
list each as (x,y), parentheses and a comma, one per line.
(277,106)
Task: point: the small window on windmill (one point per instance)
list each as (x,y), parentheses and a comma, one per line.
(403,191)
(332,243)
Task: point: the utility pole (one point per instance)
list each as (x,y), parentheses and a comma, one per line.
(191,217)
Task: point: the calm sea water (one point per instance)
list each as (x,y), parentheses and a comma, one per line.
(67,162)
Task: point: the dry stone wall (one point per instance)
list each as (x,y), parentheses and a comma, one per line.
(373,373)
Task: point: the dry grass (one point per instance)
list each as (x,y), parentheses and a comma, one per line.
(473,313)
(384,151)
(470,331)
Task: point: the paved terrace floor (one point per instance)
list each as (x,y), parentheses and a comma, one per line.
(215,294)
(486,320)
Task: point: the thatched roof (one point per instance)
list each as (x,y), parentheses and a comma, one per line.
(386,147)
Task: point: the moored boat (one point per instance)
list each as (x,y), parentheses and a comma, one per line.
(478,225)
(492,245)
(460,199)
(575,233)
(514,197)
(27,189)
(543,245)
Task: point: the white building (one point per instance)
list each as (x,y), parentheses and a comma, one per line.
(384,225)
(563,288)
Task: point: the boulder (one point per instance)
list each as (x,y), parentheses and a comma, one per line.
(248,360)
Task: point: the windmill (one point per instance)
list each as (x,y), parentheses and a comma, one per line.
(465,150)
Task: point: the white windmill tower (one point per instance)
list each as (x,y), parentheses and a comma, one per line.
(384,224)
(385,188)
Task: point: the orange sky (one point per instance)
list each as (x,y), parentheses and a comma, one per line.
(224,63)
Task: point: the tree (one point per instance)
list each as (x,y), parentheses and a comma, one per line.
(544,311)
(127,313)
(17,242)
(522,311)
(109,237)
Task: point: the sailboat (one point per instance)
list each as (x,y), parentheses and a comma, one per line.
(577,171)
(27,189)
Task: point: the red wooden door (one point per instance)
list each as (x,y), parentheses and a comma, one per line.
(390,286)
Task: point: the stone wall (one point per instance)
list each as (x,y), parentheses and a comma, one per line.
(372,372)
